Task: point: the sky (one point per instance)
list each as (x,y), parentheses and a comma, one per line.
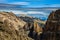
(34,3)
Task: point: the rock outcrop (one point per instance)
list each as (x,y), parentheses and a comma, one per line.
(11,27)
(53,22)
(52,28)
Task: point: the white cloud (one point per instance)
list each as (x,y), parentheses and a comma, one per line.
(19,12)
(20,3)
(42,14)
(29,12)
(35,12)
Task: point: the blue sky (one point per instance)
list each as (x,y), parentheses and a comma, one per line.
(34,3)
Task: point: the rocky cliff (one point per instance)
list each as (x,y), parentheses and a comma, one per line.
(52,28)
(53,21)
(11,27)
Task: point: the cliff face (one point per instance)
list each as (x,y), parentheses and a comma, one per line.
(53,21)
(11,27)
(52,28)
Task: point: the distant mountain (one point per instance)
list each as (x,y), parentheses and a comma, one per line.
(38,16)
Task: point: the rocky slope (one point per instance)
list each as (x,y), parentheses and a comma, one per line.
(52,28)
(11,27)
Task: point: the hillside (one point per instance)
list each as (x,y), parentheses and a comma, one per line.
(11,27)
